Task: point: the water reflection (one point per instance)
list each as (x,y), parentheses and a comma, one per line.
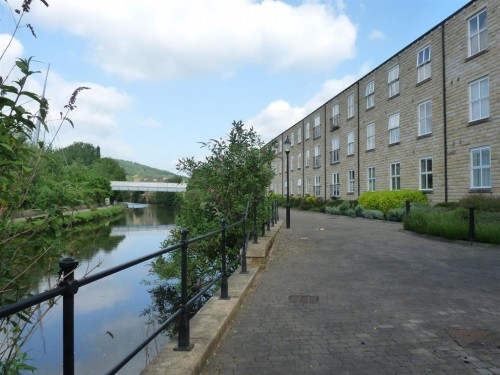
(109,314)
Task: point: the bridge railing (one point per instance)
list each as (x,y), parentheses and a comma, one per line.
(68,286)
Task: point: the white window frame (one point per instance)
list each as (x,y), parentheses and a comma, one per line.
(299,187)
(481,87)
(292,139)
(370,94)
(393,81)
(393,127)
(292,162)
(395,174)
(317,127)
(370,136)
(480,168)
(299,160)
(335,155)
(350,143)
(308,127)
(351,186)
(299,135)
(424,63)
(317,186)
(425,173)
(279,166)
(478,38)
(425,117)
(308,185)
(291,186)
(308,157)
(350,106)
(280,145)
(335,120)
(317,154)
(335,192)
(371,178)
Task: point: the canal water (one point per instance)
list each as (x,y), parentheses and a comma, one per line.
(112,315)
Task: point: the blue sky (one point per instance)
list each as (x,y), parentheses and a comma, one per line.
(168,74)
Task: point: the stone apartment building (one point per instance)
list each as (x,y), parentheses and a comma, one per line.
(428,118)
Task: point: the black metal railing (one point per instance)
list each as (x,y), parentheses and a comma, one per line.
(68,286)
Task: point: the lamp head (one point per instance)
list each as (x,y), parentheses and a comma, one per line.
(287,144)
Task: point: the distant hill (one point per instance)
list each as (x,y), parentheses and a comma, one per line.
(136,170)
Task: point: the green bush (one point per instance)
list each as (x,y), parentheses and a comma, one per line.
(351,212)
(310,201)
(373,214)
(385,200)
(359,210)
(454,224)
(396,214)
(343,207)
(317,209)
(481,203)
(332,210)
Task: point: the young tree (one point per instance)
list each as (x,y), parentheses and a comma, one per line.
(237,171)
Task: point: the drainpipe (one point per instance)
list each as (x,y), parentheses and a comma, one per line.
(445,135)
(324,151)
(358,152)
(303,160)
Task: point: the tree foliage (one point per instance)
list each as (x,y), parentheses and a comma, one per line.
(237,170)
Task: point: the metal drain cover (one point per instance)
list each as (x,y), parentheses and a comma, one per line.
(475,339)
(303,299)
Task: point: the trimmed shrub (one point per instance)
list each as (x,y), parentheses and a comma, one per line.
(385,200)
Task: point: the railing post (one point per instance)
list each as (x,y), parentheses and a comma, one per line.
(268,223)
(67,267)
(183,337)
(277,211)
(272,212)
(255,221)
(472,236)
(223,285)
(244,246)
(407,207)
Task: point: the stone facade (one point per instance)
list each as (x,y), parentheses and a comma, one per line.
(426,119)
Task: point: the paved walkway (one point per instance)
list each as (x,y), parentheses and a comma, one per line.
(355,296)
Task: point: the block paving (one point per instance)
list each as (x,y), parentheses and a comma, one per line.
(354,296)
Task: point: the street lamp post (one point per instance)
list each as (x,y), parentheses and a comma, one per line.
(287,144)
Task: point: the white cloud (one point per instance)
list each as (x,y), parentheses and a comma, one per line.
(151,123)
(376,35)
(96,117)
(280,115)
(161,40)
(275,118)
(12,52)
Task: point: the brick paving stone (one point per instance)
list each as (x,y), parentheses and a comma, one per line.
(363,297)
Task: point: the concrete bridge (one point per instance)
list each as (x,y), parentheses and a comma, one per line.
(148,186)
(140,229)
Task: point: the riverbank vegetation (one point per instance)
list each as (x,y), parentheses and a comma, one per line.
(35,176)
